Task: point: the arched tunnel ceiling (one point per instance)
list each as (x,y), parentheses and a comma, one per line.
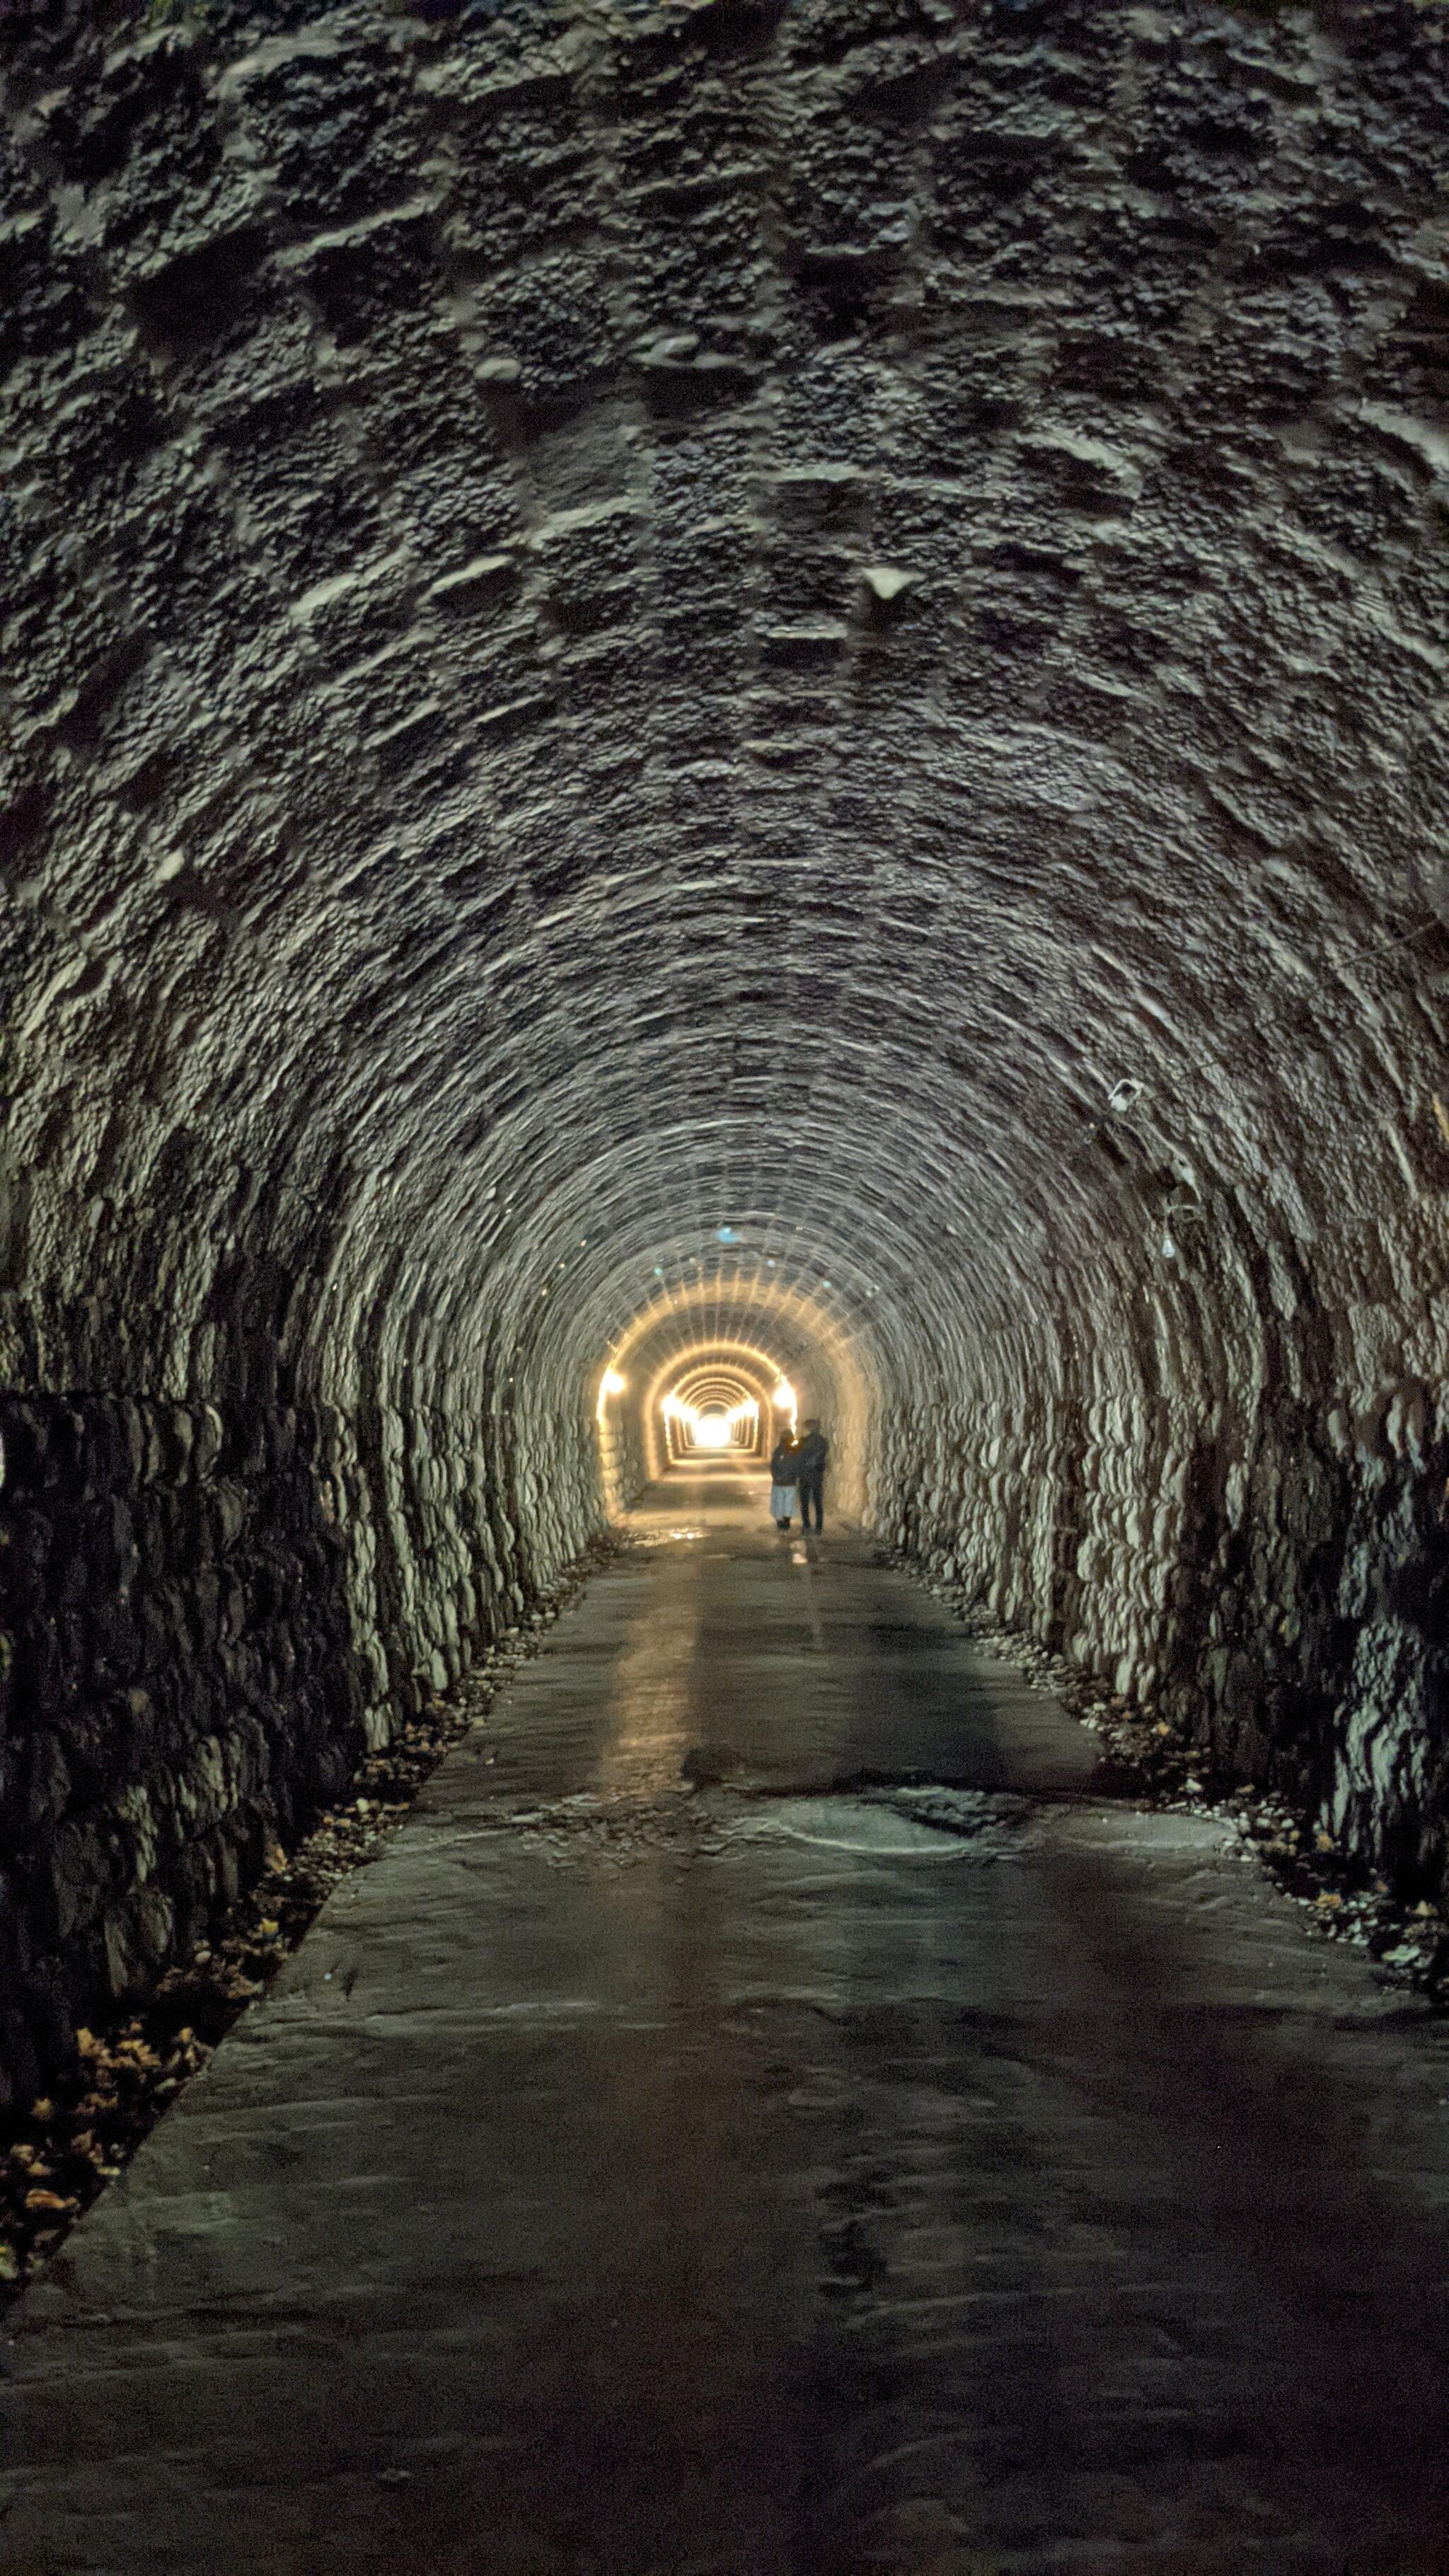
(829,623)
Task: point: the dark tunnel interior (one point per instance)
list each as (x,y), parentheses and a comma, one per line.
(724,686)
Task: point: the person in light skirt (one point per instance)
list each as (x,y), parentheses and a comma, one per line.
(784,1475)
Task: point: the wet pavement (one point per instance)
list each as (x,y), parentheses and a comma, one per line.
(765,2115)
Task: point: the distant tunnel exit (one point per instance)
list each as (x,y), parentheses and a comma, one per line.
(712,1408)
(707,1371)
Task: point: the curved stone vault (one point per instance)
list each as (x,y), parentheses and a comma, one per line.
(782,666)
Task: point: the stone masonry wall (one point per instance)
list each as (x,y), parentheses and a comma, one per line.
(180,1691)
(622,1460)
(1232,1517)
(209,1612)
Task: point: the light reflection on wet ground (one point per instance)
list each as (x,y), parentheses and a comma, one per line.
(764,2116)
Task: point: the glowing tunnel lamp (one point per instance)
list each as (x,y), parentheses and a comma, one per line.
(612,1383)
(784,1396)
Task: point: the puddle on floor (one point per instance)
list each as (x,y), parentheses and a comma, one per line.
(924,1824)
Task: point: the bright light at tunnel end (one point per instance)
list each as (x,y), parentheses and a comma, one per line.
(706,1395)
(712,1429)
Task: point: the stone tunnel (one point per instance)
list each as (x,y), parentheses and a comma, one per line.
(757,684)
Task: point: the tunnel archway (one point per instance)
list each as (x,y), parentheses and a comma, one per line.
(771,1331)
(712,1404)
(818,719)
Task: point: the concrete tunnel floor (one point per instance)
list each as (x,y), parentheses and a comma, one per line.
(764,2113)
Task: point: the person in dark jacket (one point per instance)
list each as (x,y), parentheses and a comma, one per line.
(811,1460)
(782,1479)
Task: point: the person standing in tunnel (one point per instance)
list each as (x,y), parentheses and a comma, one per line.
(782,1479)
(811,1460)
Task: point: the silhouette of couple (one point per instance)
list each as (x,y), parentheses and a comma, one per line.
(798,1466)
